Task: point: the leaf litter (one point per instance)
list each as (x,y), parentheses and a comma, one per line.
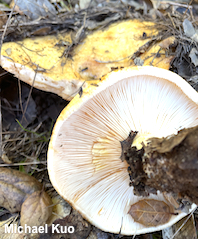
(36,209)
(14,188)
(25,142)
(150,212)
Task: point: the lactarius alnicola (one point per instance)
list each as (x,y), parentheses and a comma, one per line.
(100,148)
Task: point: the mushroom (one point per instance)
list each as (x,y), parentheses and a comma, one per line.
(52,63)
(84,153)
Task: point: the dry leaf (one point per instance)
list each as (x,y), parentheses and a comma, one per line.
(11,197)
(169,198)
(36,209)
(5,159)
(185,228)
(166,43)
(34,9)
(14,187)
(150,212)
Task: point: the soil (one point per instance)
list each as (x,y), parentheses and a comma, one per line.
(155,166)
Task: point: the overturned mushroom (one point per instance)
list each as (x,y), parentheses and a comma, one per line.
(84,156)
(60,64)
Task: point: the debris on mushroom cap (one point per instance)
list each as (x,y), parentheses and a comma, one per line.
(49,64)
(150,212)
(84,162)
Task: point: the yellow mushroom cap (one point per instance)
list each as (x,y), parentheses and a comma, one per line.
(84,162)
(49,64)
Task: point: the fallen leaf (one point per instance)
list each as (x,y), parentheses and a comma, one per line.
(169,198)
(166,43)
(150,212)
(34,9)
(5,159)
(14,187)
(36,209)
(11,197)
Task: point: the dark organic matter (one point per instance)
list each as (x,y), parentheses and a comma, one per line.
(166,164)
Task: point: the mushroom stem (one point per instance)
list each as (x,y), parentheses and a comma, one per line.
(166,164)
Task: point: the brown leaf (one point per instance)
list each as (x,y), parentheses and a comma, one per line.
(34,9)
(36,209)
(150,212)
(11,197)
(172,200)
(14,187)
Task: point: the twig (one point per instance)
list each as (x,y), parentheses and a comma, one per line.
(176,4)
(1,146)
(171,20)
(183,224)
(20,96)
(188,6)
(16,164)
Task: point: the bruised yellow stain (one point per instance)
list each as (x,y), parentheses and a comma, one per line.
(140,139)
(100,153)
(100,211)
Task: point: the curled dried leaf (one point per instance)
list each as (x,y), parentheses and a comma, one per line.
(150,212)
(34,9)
(20,180)
(5,159)
(36,209)
(14,187)
(11,197)
(172,200)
